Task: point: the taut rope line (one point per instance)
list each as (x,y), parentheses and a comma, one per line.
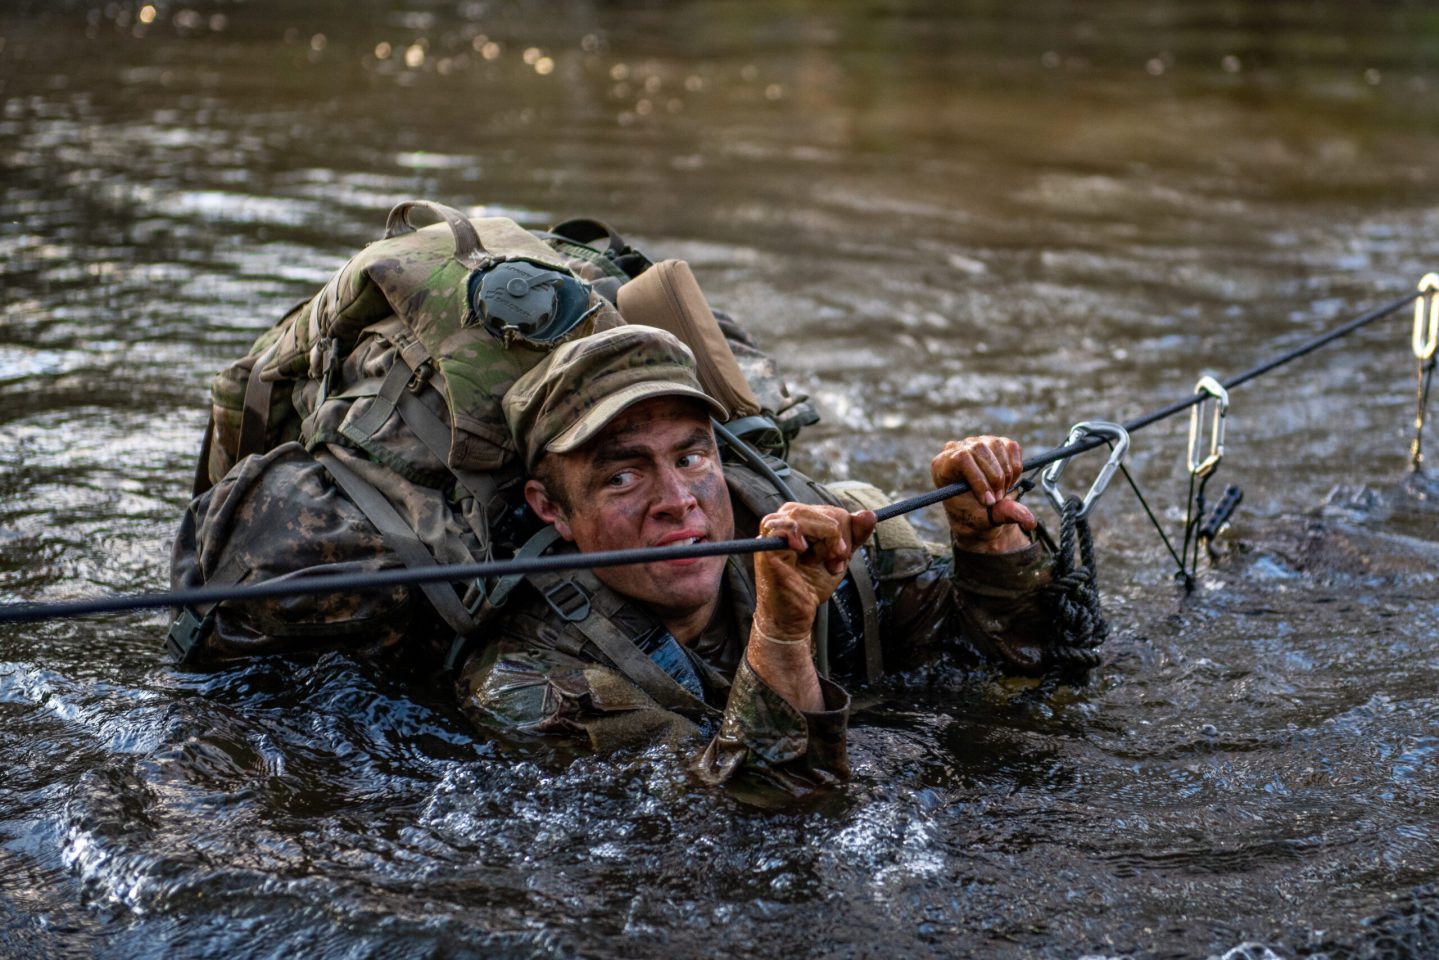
(291,585)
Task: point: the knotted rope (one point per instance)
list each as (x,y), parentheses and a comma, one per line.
(1072,597)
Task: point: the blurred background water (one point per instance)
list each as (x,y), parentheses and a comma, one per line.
(942,218)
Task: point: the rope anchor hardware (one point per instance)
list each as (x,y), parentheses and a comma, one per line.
(291,586)
(1215,408)
(1049,479)
(1426,318)
(1426,340)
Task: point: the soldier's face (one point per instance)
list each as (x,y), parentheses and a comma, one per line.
(652,478)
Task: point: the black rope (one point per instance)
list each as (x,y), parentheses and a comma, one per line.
(1072,597)
(1155,521)
(296,586)
(1194,519)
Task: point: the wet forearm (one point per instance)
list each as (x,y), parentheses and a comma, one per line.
(783,661)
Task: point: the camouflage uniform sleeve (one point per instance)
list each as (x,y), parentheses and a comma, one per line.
(764,746)
(528,688)
(764,737)
(988,604)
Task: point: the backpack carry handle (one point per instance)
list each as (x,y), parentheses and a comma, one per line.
(468,249)
(587,231)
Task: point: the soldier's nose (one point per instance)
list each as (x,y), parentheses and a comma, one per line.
(674,494)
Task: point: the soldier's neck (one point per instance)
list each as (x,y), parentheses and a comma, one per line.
(687,629)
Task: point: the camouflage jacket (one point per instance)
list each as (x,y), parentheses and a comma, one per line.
(538,677)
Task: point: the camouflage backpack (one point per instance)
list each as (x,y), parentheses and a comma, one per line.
(364,432)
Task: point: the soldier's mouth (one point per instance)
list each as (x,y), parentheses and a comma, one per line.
(680,538)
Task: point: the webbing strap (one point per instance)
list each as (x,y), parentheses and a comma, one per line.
(486,602)
(394,395)
(546,537)
(563,593)
(202,466)
(365,426)
(400,538)
(869,603)
(255,417)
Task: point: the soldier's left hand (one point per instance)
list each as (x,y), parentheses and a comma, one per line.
(987,518)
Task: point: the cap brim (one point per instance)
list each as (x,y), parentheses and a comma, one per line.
(596,418)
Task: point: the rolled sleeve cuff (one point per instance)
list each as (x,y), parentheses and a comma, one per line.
(762,731)
(1007,575)
(770,726)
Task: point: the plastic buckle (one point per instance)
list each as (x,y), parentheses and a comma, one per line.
(1216,396)
(186,632)
(1049,479)
(1426,335)
(568,600)
(420,377)
(325,356)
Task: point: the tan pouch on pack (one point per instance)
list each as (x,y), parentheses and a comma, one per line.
(668,296)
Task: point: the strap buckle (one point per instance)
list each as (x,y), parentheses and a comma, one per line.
(568,600)
(324,359)
(420,377)
(186,632)
(1049,480)
(1217,398)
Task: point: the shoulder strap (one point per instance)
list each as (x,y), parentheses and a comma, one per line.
(869,603)
(583,604)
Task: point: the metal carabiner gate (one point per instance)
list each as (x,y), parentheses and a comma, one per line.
(1049,479)
(1426,308)
(1217,398)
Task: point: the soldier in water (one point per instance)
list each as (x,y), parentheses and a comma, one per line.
(616,435)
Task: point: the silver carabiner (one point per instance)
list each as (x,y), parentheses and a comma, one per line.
(1217,398)
(1426,335)
(1049,479)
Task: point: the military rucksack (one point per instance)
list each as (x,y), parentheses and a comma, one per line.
(364,430)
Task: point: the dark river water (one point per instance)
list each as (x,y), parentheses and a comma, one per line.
(942,219)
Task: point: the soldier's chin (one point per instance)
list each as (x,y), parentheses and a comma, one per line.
(690,581)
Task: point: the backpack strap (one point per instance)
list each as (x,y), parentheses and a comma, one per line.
(586,607)
(397,394)
(202,466)
(255,417)
(577,237)
(399,537)
(869,603)
(485,602)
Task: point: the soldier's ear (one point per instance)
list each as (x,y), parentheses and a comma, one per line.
(547,508)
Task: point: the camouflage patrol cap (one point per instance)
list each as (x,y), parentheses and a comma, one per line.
(567,399)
